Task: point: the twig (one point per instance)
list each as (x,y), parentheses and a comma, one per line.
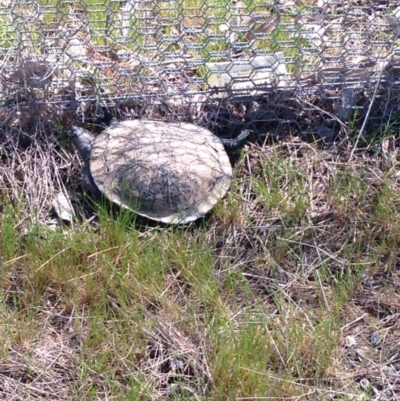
(382,67)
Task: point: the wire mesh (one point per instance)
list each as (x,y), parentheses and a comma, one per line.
(310,67)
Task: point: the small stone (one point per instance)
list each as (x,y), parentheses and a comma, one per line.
(364,384)
(350,341)
(375,339)
(62,206)
(361,354)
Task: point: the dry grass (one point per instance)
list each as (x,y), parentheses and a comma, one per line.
(289,290)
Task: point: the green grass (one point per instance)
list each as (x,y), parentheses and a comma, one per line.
(105,26)
(256,301)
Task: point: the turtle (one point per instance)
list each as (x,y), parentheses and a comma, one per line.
(169,172)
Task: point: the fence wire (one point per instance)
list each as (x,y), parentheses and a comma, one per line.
(314,68)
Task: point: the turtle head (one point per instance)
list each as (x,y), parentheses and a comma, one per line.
(83,141)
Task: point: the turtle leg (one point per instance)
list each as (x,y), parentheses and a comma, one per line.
(237,142)
(92,187)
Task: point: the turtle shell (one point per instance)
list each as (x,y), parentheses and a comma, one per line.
(169,172)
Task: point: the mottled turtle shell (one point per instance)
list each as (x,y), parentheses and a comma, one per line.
(169,172)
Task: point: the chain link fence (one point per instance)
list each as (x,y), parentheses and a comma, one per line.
(313,68)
